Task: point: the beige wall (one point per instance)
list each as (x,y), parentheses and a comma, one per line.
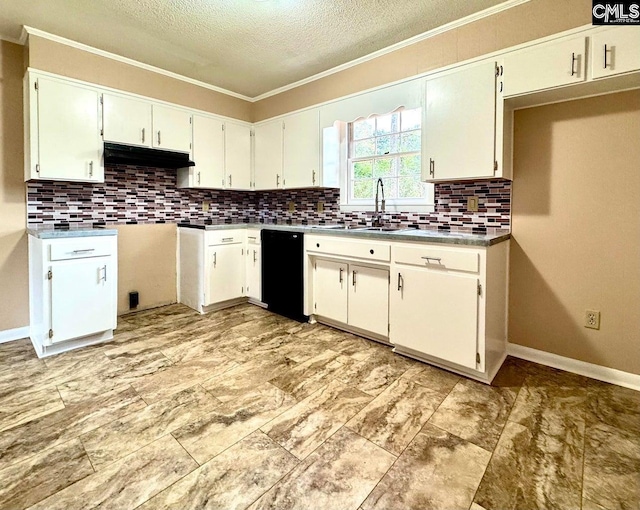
(576,229)
(146,263)
(526,22)
(57,58)
(14,274)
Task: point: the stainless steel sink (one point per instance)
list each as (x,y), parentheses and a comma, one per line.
(385,229)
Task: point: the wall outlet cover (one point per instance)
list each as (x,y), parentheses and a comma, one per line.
(592,319)
(292,206)
(320,207)
(472,204)
(205,206)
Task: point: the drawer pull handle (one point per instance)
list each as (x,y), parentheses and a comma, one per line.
(317,245)
(429,259)
(371,251)
(84,251)
(227,239)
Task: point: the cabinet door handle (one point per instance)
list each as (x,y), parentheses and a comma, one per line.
(90,168)
(573,67)
(353,278)
(230,182)
(429,259)
(143,133)
(432,167)
(313,178)
(105,272)
(215,259)
(198,178)
(255,253)
(277,180)
(158,137)
(341,275)
(399,281)
(605,56)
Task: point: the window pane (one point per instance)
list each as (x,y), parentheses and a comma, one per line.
(410,142)
(383,168)
(362,189)
(387,145)
(363,128)
(410,165)
(364,148)
(388,124)
(411,187)
(390,188)
(411,119)
(362,170)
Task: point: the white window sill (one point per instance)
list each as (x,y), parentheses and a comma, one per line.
(401,208)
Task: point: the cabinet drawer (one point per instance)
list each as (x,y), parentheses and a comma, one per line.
(80,248)
(437,258)
(367,250)
(224,237)
(253,236)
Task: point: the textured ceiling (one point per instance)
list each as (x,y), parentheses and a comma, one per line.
(245,46)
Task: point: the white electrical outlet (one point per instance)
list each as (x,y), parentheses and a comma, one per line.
(592,319)
(205,206)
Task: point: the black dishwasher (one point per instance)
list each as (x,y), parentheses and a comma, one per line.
(282,272)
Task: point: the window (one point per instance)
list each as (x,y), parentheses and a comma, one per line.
(387,147)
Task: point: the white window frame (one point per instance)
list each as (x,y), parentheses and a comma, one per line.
(422,205)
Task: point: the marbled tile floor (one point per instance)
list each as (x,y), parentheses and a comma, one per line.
(245,409)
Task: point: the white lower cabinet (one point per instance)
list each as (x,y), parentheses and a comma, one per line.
(224,273)
(73,285)
(448,305)
(253,266)
(211,268)
(351,294)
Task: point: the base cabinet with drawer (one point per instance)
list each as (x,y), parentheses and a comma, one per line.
(73,285)
(448,304)
(211,266)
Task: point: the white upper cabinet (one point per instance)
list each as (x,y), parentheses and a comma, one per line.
(208,152)
(302,149)
(545,66)
(171,129)
(268,155)
(237,143)
(459,134)
(62,131)
(126,120)
(615,51)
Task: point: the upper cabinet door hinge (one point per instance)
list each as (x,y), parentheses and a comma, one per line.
(479,289)
(49,275)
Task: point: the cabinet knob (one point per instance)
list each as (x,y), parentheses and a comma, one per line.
(371,251)
(317,245)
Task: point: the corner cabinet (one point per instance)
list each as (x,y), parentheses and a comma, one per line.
(62,131)
(211,272)
(448,305)
(72,296)
(463,125)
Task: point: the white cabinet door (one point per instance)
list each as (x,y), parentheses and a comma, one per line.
(225,273)
(268,155)
(302,149)
(435,313)
(545,66)
(459,130)
(369,299)
(237,144)
(171,129)
(208,152)
(615,51)
(126,120)
(68,130)
(330,290)
(82,298)
(254,272)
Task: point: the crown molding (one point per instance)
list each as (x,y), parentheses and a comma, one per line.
(27,31)
(394,47)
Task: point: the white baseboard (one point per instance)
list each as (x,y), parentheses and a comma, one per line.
(610,375)
(9,335)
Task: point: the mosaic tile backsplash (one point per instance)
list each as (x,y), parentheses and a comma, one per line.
(132,195)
